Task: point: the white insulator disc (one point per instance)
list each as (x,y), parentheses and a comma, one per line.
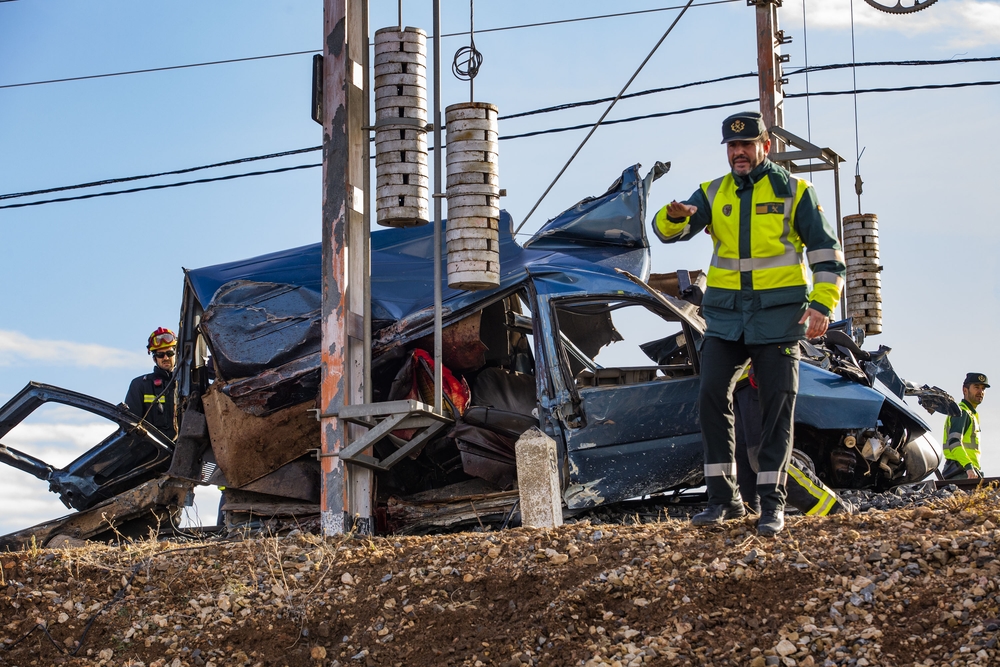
(401,96)
(388,113)
(403,216)
(401,145)
(389,68)
(400,57)
(473,146)
(480,124)
(398,179)
(483,222)
(473,212)
(478,245)
(456,201)
(465,110)
(397,157)
(405,101)
(473,189)
(478,167)
(393,47)
(471,156)
(473,135)
(401,191)
(487,179)
(418,168)
(472,234)
(473,280)
(400,79)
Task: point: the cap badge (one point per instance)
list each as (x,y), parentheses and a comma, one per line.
(982,378)
(737,126)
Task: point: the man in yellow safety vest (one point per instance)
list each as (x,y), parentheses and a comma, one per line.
(757,306)
(962,433)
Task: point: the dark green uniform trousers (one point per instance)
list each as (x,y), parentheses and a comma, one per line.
(776,368)
(805,491)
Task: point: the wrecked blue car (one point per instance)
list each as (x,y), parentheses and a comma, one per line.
(580,339)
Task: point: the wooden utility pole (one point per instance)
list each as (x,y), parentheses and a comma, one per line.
(345,497)
(769,60)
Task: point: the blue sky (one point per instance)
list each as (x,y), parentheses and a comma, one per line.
(84,282)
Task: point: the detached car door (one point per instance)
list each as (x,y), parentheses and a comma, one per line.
(131,455)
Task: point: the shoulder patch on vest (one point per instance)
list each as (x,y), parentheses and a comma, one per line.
(727,209)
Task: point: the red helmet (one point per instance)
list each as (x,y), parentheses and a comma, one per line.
(161,339)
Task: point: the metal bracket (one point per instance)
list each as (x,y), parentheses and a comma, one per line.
(381,419)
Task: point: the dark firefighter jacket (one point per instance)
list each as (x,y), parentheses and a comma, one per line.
(146,397)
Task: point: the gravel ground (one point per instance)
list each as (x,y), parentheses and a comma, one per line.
(912,579)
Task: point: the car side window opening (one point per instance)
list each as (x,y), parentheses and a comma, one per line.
(621,342)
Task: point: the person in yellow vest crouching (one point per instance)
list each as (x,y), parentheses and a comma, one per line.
(962,433)
(766,226)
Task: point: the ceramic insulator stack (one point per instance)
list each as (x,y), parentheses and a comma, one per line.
(864,282)
(401,186)
(473,191)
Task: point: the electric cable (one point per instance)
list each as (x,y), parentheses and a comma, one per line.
(164,186)
(605,114)
(157,69)
(641,93)
(560,107)
(556,130)
(299,53)
(857,152)
(175,172)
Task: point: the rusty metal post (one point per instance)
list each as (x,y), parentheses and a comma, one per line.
(344,231)
(769,59)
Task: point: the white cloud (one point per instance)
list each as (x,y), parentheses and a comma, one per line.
(15,348)
(965,23)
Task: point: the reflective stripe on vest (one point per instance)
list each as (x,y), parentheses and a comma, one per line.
(149,398)
(786,269)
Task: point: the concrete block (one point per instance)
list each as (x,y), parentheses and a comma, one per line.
(538,480)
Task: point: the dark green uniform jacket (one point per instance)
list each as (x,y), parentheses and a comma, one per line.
(961,442)
(764,315)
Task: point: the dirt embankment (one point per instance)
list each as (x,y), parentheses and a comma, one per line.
(902,587)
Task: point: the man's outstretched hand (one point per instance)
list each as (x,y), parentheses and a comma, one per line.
(675,209)
(816,323)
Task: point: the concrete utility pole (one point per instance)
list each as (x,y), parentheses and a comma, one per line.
(769,60)
(345,258)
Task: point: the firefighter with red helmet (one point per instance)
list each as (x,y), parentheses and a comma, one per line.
(151,396)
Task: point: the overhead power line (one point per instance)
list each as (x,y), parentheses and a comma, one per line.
(164,186)
(313,51)
(524,135)
(157,69)
(175,172)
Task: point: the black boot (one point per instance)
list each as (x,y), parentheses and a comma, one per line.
(771,523)
(714,515)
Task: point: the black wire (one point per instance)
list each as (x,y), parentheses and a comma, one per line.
(162,173)
(894,63)
(299,53)
(162,187)
(511,136)
(591,18)
(651,91)
(158,69)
